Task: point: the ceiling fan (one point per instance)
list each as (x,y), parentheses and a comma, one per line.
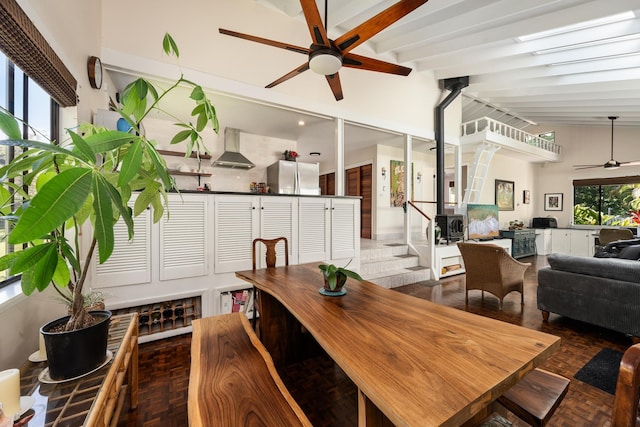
(611,164)
(327,56)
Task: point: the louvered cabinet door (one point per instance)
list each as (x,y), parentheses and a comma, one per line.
(235,226)
(345,228)
(130,262)
(184,237)
(313,229)
(279,218)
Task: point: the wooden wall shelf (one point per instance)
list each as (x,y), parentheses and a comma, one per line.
(180,154)
(175,172)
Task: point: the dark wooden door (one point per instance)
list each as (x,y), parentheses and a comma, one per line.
(360,183)
(328,184)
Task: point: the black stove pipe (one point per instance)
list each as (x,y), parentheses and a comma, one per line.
(455,85)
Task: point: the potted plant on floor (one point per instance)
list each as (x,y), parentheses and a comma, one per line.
(89,177)
(335,278)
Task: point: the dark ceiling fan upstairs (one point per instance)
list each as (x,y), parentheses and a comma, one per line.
(327,56)
(612,163)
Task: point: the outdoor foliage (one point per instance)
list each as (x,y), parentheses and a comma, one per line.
(613,205)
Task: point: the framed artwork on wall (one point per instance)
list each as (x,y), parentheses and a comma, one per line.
(526,197)
(504,195)
(553,201)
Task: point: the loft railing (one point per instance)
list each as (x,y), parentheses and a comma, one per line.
(486,124)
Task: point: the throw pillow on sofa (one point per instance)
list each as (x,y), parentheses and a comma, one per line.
(630,252)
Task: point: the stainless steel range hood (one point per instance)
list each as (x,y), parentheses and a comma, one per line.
(231,158)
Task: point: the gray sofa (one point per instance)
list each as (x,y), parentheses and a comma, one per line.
(600,291)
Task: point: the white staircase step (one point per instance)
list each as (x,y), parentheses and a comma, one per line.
(378,265)
(395,278)
(385,251)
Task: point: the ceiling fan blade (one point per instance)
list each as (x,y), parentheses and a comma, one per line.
(314,22)
(633,163)
(336,87)
(578,167)
(373,26)
(304,67)
(352,60)
(274,43)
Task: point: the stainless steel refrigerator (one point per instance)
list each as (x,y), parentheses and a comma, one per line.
(285,177)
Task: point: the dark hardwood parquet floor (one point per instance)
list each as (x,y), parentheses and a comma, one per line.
(329,398)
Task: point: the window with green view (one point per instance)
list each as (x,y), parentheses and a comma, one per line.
(607,201)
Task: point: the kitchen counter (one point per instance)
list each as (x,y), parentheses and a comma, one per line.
(240,193)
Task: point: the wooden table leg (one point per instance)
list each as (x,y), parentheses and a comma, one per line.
(279,331)
(369,415)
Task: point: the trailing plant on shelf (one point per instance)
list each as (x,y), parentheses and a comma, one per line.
(335,277)
(89,177)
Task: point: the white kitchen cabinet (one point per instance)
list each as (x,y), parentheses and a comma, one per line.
(329,229)
(576,241)
(130,262)
(314,228)
(236,224)
(580,242)
(543,241)
(345,228)
(561,241)
(184,246)
(179,239)
(241,219)
(279,218)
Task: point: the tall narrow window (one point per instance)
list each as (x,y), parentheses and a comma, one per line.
(24,98)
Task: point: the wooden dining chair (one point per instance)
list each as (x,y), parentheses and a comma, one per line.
(270,260)
(625,404)
(270,256)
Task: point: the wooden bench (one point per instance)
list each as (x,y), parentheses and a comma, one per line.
(233,381)
(536,396)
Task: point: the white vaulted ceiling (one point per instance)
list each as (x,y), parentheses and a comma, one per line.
(587,66)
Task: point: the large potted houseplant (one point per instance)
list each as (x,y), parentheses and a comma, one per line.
(89,177)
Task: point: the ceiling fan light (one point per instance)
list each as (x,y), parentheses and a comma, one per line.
(325,62)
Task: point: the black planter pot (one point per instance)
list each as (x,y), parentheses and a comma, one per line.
(74,353)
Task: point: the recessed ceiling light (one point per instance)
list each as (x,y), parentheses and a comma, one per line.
(314,153)
(300,122)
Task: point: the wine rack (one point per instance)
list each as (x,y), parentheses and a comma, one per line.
(166,315)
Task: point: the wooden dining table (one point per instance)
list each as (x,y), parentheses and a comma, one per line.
(414,362)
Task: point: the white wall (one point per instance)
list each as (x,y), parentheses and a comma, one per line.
(389,219)
(522,173)
(20,322)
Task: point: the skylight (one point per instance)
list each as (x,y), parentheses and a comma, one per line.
(578,26)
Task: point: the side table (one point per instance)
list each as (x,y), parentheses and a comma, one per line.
(95,399)
(524,242)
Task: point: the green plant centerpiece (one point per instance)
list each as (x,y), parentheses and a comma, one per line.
(335,278)
(89,177)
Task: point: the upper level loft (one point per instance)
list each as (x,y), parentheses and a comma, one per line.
(512,141)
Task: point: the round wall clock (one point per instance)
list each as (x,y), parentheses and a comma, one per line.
(94,68)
